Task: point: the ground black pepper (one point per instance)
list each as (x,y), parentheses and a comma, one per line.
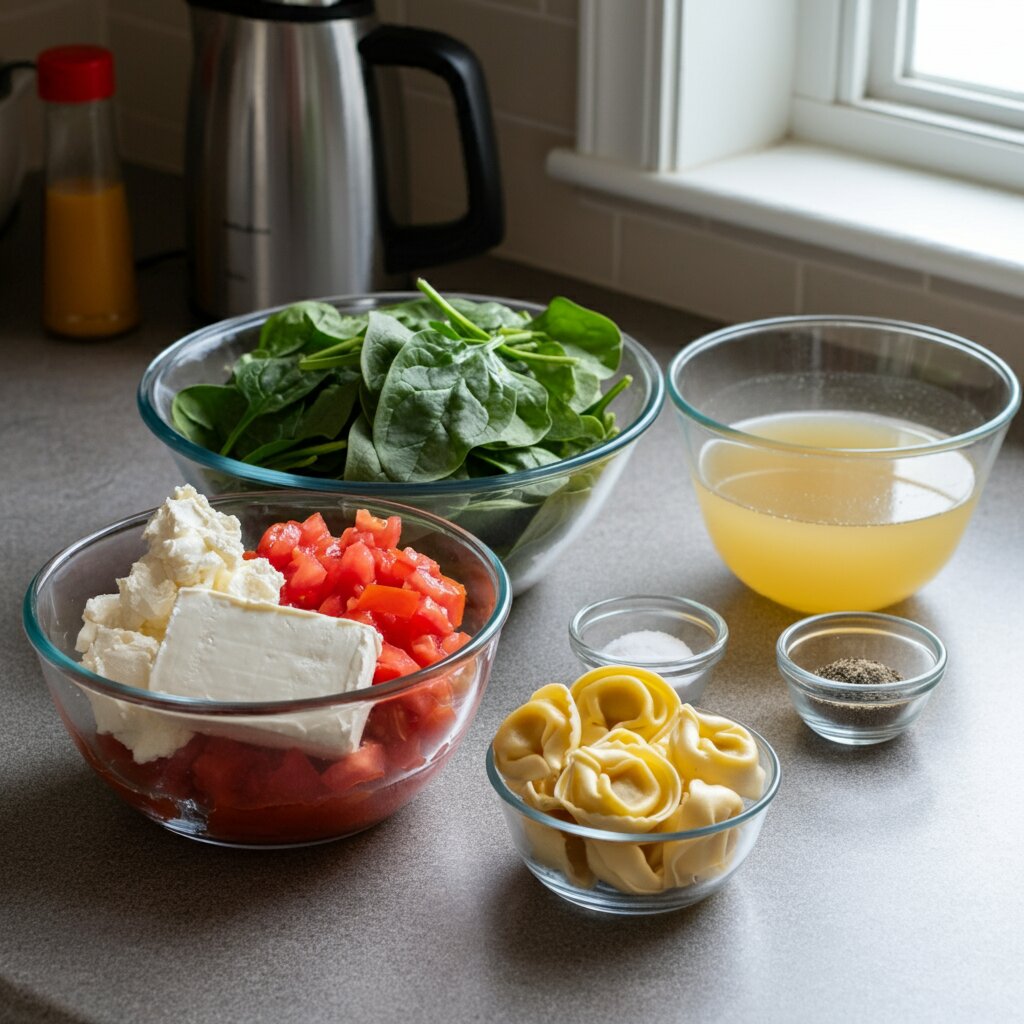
(860,672)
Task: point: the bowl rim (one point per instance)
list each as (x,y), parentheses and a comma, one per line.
(587,832)
(167,702)
(935,334)
(830,623)
(651,376)
(683,605)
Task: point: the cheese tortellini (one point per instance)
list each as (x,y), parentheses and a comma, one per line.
(620,783)
(618,751)
(686,860)
(716,750)
(532,744)
(634,698)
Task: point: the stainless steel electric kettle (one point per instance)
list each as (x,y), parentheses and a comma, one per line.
(289,192)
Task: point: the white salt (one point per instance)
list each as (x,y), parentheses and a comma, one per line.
(647,645)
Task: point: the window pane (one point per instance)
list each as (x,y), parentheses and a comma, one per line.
(974,42)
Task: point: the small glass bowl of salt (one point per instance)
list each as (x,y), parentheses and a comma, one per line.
(680,639)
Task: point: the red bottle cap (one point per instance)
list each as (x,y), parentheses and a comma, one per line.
(75,74)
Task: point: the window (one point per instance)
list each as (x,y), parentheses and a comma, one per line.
(935,83)
(957,58)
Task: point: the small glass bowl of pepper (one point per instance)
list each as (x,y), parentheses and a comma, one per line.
(680,639)
(859,678)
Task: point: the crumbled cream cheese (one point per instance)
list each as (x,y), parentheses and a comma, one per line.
(190,544)
(120,654)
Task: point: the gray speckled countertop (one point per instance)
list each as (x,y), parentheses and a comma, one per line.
(886,885)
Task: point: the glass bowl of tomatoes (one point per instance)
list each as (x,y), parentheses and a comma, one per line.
(528,515)
(231,778)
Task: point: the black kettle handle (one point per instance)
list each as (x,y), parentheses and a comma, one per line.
(407,247)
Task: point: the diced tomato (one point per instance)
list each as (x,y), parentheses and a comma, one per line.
(304,572)
(412,725)
(291,780)
(328,550)
(313,530)
(430,617)
(333,605)
(388,600)
(304,578)
(422,700)
(277,543)
(366,618)
(451,596)
(392,663)
(436,727)
(269,794)
(384,560)
(355,567)
(450,644)
(409,560)
(362,765)
(219,772)
(385,531)
(427,649)
(353,536)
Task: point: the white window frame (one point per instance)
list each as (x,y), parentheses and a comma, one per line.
(844,98)
(892,32)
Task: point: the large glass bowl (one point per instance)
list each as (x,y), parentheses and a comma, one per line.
(526,518)
(560,853)
(837,460)
(229,782)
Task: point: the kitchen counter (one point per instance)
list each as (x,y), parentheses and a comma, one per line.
(885,885)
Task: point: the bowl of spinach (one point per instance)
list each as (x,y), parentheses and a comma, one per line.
(512,419)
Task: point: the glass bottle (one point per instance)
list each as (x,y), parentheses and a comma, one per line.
(88,269)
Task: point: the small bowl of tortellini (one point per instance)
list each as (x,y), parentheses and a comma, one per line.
(621,798)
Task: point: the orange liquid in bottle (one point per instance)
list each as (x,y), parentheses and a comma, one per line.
(89,275)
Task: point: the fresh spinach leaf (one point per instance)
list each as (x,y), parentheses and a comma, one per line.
(583,328)
(268,386)
(384,339)
(441,398)
(491,316)
(301,458)
(531,420)
(206,413)
(329,410)
(362,462)
(513,460)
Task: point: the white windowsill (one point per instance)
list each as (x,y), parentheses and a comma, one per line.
(956,229)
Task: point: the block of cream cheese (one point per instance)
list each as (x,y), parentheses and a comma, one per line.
(218,647)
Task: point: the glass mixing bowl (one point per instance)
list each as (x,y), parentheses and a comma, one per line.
(526,518)
(231,782)
(837,460)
